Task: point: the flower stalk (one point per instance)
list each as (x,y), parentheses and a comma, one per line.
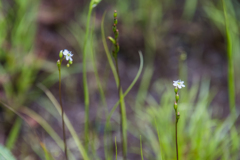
(122,107)
(68,56)
(178,85)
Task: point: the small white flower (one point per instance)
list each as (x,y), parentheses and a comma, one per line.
(178,84)
(68,55)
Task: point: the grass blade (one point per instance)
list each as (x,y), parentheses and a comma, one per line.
(110,61)
(141,147)
(14,134)
(231,84)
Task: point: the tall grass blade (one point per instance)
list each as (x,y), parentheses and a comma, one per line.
(11,140)
(110,61)
(231,83)
(141,147)
(47,156)
(5,154)
(85,82)
(116,147)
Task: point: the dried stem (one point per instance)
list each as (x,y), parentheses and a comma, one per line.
(63,123)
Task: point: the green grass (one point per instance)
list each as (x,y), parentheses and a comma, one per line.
(196,127)
(149,108)
(231,83)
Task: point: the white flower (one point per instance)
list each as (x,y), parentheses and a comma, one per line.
(68,55)
(178,84)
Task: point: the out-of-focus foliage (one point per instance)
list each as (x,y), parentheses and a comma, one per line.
(158,28)
(5,154)
(19,65)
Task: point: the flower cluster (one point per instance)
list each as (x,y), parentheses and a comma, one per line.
(116,33)
(178,85)
(67,55)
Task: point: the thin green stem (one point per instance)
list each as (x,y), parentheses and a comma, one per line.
(63,123)
(231,84)
(85,82)
(176,136)
(116,147)
(177,114)
(141,147)
(120,110)
(158,135)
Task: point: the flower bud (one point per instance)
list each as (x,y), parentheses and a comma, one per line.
(177,97)
(70,62)
(59,64)
(178,116)
(115,21)
(115,14)
(114,28)
(112,40)
(61,54)
(176,89)
(175,105)
(118,47)
(183,56)
(116,34)
(68,65)
(114,54)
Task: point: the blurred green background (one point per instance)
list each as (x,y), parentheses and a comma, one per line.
(191,40)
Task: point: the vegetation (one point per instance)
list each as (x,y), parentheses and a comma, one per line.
(121,105)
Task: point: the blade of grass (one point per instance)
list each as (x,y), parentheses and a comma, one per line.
(116,147)
(107,151)
(158,135)
(47,156)
(110,61)
(85,82)
(141,147)
(92,4)
(231,83)
(189,8)
(100,88)
(11,140)
(124,124)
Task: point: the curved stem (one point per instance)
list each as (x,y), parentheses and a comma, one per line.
(63,124)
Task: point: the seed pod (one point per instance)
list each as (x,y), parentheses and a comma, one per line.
(61,54)
(115,14)
(176,90)
(115,21)
(112,40)
(59,64)
(177,97)
(175,105)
